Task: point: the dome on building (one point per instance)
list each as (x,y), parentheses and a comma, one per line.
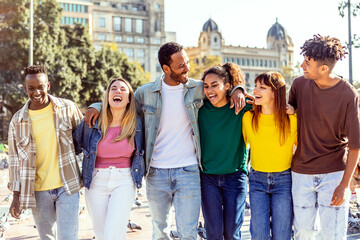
(277,31)
(210,26)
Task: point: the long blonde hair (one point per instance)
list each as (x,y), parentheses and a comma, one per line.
(128,123)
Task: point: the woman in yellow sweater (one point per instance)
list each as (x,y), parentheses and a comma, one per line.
(271,134)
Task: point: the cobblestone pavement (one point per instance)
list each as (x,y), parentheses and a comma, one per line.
(24,229)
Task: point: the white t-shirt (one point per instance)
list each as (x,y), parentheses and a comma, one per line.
(174,146)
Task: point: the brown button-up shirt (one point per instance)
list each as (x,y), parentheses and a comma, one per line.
(22,150)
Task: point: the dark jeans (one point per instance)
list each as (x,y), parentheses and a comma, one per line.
(270,197)
(223,203)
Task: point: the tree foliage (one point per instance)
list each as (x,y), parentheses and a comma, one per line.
(290,73)
(76,70)
(110,63)
(197,69)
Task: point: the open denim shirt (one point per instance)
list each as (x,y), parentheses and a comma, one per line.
(86,140)
(148,101)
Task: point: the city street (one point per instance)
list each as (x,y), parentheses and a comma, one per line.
(24,229)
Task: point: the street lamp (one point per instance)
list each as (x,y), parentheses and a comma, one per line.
(350,43)
(354,12)
(31,33)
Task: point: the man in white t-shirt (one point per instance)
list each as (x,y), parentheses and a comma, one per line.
(169,107)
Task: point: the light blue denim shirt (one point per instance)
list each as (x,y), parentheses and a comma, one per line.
(149,104)
(148,101)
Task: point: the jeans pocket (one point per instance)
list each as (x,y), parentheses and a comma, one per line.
(152,172)
(191,169)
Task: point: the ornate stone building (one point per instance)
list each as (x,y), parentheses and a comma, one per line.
(252,60)
(135,26)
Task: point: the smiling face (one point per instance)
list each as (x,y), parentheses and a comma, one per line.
(118,95)
(311,68)
(264,95)
(36,87)
(215,90)
(177,71)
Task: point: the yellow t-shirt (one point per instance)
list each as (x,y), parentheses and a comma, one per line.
(47,152)
(267,155)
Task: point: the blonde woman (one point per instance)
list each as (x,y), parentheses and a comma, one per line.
(113,161)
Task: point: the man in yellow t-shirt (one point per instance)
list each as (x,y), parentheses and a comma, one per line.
(43,172)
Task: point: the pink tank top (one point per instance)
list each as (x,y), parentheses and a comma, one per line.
(110,153)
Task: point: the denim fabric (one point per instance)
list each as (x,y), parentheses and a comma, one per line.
(178,186)
(109,202)
(223,199)
(54,206)
(312,195)
(149,104)
(86,140)
(270,198)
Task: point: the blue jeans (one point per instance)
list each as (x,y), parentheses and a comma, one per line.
(178,186)
(270,197)
(54,206)
(223,200)
(312,194)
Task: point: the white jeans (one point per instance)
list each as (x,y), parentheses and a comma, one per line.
(311,197)
(109,200)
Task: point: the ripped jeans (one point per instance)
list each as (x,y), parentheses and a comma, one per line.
(312,194)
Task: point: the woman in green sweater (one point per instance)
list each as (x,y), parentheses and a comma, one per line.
(223,178)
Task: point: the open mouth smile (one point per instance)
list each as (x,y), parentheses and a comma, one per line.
(117,99)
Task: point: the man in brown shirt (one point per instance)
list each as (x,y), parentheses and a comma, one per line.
(329,141)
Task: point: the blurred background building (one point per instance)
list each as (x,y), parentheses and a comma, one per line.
(253,61)
(135,26)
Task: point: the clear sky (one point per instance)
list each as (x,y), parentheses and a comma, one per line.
(246,23)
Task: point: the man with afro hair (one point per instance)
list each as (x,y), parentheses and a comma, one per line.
(328,149)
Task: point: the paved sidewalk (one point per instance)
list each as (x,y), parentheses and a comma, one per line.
(24,229)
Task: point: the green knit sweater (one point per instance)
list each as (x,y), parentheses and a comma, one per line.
(223,148)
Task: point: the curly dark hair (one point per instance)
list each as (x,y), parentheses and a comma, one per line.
(34,69)
(229,72)
(166,51)
(325,50)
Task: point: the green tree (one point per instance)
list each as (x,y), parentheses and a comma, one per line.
(109,63)
(13,51)
(290,73)
(50,49)
(76,70)
(65,50)
(197,69)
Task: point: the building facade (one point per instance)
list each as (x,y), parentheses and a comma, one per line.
(77,11)
(135,26)
(253,61)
